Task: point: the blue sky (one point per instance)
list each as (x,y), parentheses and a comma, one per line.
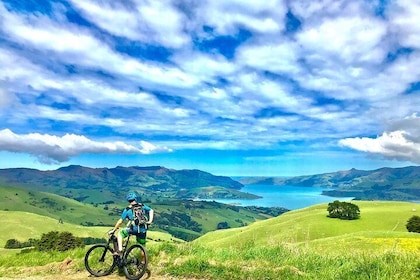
(276,88)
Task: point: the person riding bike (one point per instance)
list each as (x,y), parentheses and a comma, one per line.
(138,230)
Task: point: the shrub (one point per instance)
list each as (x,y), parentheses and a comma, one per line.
(223,225)
(413,224)
(16,244)
(58,241)
(12,244)
(343,210)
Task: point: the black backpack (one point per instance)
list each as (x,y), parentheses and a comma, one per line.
(140,218)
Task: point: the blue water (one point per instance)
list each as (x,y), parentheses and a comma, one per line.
(289,197)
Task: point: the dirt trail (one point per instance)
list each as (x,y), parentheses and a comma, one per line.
(65,271)
(85,275)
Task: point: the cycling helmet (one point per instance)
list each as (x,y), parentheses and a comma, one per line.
(131,196)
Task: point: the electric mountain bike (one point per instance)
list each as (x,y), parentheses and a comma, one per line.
(100,259)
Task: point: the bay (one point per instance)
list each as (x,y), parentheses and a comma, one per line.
(290,197)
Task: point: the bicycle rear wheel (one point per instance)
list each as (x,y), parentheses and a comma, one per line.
(99,260)
(135,262)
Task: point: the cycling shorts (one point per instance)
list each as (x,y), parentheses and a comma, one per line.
(140,236)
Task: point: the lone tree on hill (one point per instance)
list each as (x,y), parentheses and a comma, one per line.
(343,210)
(413,224)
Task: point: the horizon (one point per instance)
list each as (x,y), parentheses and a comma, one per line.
(231,176)
(233,88)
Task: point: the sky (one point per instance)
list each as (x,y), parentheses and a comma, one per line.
(231,87)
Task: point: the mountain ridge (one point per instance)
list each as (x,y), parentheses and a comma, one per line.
(70,180)
(385,183)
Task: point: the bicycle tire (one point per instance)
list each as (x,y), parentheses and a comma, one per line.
(99,260)
(135,261)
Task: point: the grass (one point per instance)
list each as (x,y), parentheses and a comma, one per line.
(285,262)
(301,244)
(190,260)
(309,224)
(24,225)
(207,214)
(51,205)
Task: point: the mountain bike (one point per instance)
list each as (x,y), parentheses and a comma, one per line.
(100,259)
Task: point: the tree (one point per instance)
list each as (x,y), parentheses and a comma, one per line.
(223,225)
(413,224)
(12,244)
(58,241)
(343,210)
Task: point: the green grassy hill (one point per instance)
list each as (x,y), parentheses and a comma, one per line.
(54,206)
(381,222)
(182,218)
(301,244)
(24,225)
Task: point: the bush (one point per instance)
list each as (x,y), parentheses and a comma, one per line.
(12,244)
(413,224)
(223,225)
(16,244)
(58,241)
(343,210)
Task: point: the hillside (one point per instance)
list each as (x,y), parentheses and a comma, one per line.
(24,225)
(182,218)
(398,184)
(301,244)
(382,224)
(98,185)
(56,207)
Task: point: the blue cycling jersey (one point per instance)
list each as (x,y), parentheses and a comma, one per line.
(128,214)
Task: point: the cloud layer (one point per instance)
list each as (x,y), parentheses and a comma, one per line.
(51,149)
(155,76)
(402,144)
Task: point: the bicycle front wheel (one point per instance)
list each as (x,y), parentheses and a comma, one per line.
(99,260)
(135,262)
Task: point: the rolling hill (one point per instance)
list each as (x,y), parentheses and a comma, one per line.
(300,244)
(182,218)
(24,225)
(398,184)
(306,244)
(56,207)
(380,221)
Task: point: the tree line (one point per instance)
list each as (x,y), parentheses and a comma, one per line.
(53,241)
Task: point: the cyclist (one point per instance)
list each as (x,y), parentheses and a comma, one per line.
(139,231)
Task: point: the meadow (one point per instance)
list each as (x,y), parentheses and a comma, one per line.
(300,244)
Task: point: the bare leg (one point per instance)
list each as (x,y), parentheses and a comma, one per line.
(120,241)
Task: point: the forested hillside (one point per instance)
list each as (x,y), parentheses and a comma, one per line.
(99,185)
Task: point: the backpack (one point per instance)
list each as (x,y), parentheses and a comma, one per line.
(139,217)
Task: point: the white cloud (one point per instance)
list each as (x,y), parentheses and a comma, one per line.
(53,149)
(403,145)
(72,44)
(277,57)
(265,17)
(329,79)
(148,148)
(155,22)
(7,98)
(353,39)
(204,67)
(404,22)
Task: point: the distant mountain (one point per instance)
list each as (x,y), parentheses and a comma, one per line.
(97,184)
(381,184)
